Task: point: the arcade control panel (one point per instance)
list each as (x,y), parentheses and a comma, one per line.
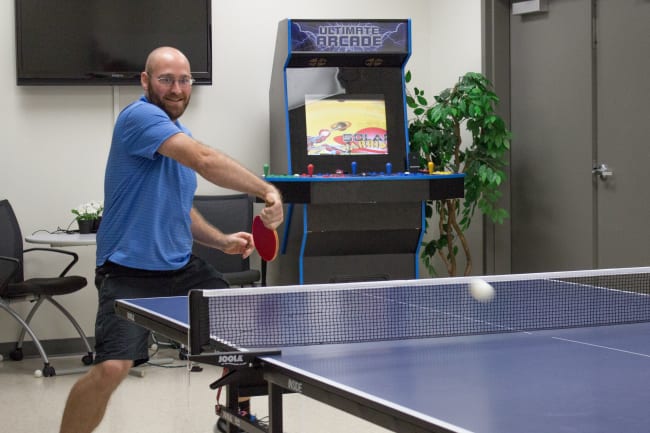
(356,186)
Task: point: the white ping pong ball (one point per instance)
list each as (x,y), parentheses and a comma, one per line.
(38,373)
(481,290)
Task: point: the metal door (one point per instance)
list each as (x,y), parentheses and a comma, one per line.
(622,61)
(579,99)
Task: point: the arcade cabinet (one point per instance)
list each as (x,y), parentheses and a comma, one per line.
(339,154)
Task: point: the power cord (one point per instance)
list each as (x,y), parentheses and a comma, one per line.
(58,230)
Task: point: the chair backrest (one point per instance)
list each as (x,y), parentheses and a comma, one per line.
(11,239)
(229,213)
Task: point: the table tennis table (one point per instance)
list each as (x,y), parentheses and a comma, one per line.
(555,352)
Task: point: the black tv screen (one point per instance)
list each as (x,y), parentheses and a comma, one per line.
(98,42)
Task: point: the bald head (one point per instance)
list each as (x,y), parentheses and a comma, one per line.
(165,55)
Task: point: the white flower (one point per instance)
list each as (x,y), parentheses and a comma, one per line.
(89,211)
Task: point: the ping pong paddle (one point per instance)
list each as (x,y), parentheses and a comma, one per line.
(266,240)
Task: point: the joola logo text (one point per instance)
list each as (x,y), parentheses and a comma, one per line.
(231,359)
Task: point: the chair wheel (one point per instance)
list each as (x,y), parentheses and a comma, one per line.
(16,354)
(87,359)
(48,371)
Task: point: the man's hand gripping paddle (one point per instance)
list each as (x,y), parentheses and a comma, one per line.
(266,240)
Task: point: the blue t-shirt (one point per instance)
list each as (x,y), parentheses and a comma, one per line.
(147,196)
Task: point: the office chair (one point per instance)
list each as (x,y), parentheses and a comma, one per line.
(230,214)
(14,287)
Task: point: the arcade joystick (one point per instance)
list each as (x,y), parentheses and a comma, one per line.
(389,168)
(266,170)
(353,168)
(430,167)
(310,170)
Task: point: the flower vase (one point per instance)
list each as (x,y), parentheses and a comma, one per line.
(85,226)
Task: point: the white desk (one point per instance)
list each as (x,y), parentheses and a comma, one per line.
(61,239)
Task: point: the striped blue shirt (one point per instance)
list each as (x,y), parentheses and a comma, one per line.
(147,196)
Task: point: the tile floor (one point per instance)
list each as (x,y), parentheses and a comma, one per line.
(163,400)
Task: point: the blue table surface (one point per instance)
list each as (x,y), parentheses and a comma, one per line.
(593,379)
(174,308)
(572,380)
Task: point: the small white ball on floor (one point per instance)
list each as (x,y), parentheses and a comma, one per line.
(481,290)
(38,373)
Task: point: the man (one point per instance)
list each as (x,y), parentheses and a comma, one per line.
(144,243)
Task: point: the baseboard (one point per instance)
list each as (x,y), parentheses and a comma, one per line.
(58,347)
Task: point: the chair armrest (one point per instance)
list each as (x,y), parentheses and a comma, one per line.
(75,257)
(14,265)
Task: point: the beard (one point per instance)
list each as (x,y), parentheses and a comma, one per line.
(174,109)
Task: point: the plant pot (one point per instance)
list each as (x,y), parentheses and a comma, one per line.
(85,226)
(96,224)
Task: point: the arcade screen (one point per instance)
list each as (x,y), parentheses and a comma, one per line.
(346,125)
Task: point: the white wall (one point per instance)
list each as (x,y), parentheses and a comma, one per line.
(56,139)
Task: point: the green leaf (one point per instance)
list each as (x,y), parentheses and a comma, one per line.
(411,102)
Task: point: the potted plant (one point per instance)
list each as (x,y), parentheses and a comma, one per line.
(88,216)
(435,136)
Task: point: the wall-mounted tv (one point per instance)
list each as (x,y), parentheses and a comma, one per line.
(106,42)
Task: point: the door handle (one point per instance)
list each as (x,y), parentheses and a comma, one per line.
(602,170)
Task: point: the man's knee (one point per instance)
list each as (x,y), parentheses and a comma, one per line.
(113,371)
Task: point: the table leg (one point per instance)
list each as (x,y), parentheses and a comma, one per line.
(275,408)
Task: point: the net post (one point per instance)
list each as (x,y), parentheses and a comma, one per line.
(199,332)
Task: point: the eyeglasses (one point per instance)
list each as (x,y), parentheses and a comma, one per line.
(183,82)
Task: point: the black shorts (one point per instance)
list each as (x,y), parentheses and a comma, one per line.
(117,338)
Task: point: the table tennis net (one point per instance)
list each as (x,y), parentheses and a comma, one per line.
(363,312)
